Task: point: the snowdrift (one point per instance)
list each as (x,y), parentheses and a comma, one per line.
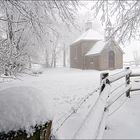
(22,108)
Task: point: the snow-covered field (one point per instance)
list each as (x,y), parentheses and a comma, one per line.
(61,89)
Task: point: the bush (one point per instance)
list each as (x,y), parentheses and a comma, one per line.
(42,132)
(37,69)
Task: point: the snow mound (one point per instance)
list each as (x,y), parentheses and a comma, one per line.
(21,108)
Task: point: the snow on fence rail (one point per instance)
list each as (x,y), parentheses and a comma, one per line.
(135,74)
(115,77)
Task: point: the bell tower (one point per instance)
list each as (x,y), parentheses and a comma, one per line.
(88,25)
(109,31)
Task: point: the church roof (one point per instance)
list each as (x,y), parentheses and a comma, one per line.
(90,34)
(97,48)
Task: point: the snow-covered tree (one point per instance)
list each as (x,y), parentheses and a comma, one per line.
(32,23)
(124,15)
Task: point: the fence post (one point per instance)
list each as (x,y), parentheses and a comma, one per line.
(127,79)
(102,82)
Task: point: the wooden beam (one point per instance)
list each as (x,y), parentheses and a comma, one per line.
(115,77)
(136,89)
(134,75)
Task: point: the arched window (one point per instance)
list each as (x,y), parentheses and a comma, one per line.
(111,60)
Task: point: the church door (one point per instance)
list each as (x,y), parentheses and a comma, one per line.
(111,60)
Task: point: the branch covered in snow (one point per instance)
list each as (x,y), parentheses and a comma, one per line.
(124,15)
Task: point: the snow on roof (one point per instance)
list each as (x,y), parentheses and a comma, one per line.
(90,34)
(21,108)
(100,45)
(97,48)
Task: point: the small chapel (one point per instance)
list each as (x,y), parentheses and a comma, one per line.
(95,50)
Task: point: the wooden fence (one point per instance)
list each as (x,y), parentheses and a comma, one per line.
(99,113)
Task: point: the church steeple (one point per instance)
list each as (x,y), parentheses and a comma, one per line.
(89,21)
(88,25)
(109,30)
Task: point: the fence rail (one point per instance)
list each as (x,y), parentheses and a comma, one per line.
(118,76)
(135,75)
(135,89)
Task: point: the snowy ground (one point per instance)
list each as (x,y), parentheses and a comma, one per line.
(125,123)
(64,88)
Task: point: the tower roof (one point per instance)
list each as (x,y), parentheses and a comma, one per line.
(90,34)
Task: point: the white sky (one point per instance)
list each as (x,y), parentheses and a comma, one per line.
(130,47)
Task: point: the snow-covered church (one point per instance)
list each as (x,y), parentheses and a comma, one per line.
(93,50)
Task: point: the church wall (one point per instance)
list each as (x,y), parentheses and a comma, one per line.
(86,46)
(101,62)
(76,56)
(92,62)
(104,59)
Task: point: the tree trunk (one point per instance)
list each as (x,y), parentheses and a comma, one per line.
(64,56)
(47,61)
(29,57)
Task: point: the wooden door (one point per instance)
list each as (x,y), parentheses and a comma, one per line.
(111,60)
